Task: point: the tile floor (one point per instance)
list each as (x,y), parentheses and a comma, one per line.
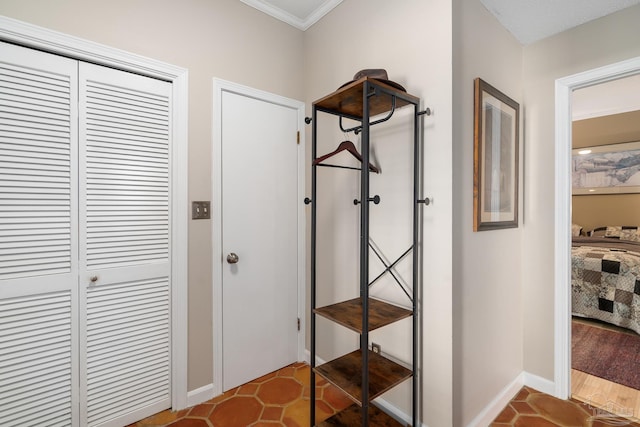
(530,408)
(282,399)
(277,399)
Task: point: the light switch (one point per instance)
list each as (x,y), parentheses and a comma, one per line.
(200,210)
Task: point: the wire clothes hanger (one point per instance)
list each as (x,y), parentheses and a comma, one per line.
(345,146)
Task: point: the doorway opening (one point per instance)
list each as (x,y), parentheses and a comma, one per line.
(565,89)
(605,198)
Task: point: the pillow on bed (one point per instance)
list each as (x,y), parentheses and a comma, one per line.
(576,230)
(597,232)
(613,231)
(630,234)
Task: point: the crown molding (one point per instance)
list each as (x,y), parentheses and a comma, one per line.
(283,15)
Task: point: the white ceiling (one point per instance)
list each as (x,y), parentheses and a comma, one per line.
(299,13)
(533,20)
(528,20)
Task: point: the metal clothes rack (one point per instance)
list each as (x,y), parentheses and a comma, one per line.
(359,101)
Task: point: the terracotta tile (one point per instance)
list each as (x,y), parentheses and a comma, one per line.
(522,408)
(272,413)
(247,389)
(279,391)
(588,409)
(202,410)
(303,374)
(322,406)
(609,422)
(239,411)
(289,371)
(562,412)
(320,381)
(163,418)
(223,396)
(336,398)
(506,416)
(190,422)
(264,378)
(288,422)
(522,394)
(298,413)
(535,421)
(267,424)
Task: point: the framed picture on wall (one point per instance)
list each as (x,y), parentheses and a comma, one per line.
(606,169)
(495,159)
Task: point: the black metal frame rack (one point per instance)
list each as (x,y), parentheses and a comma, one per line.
(360,101)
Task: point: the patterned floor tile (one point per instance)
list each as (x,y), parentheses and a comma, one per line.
(530,408)
(278,399)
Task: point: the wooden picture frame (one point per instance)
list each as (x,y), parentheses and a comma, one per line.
(495,158)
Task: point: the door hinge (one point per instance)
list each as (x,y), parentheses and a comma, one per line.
(298,323)
(298,138)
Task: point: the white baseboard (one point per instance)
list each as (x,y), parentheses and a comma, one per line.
(541,384)
(502,399)
(493,409)
(199,395)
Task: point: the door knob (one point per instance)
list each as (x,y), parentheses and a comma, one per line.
(93,279)
(232,258)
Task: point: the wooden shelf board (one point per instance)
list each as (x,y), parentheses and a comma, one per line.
(349,313)
(348,99)
(346,373)
(352,417)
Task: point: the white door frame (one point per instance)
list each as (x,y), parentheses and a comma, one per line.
(29,35)
(562,307)
(219,87)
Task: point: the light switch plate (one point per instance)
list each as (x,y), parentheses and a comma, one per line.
(200,210)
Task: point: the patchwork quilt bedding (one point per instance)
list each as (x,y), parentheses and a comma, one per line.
(605,280)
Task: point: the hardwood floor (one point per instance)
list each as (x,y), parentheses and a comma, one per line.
(598,392)
(615,398)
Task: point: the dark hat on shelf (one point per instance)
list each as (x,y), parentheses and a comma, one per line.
(375,73)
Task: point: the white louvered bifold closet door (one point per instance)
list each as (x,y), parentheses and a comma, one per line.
(124,245)
(38,239)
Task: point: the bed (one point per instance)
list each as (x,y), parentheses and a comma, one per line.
(605,276)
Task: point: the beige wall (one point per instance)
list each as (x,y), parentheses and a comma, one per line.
(601,42)
(592,211)
(229,40)
(412,41)
(602,210)
(213,38)
(487,285)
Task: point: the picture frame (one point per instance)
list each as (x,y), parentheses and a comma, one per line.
(606,169)
(495,158)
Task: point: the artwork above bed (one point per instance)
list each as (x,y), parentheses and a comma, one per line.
(606,169)
(605,276)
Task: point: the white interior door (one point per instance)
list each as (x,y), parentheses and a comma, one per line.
(38,244)
(125,199)
(259,225)
(84,242)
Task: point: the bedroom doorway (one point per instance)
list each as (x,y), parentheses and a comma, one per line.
(566,88)
(605,121)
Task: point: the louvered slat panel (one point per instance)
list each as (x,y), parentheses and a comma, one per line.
(35,361)
(128,347)
(35,172)
(127,176)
